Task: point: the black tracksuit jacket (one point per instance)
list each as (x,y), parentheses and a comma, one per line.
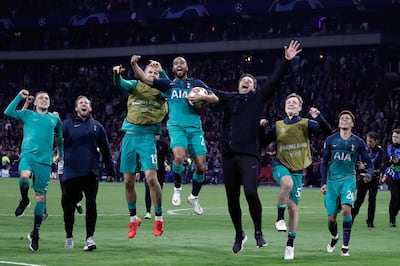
(242,113)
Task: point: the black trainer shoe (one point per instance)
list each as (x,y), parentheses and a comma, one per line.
(33,241)
(260,241)
(23,204)
(78,207)
(239,242)
(370,224)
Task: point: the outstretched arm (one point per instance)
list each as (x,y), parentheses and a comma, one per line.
(118,81)
(273,82)
(11,109)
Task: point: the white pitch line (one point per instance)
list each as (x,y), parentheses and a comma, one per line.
(19,263)
(182,211)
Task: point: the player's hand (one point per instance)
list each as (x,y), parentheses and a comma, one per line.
(156,65)
(323,189)
(196,97)
(118,69)
(314,112)
(360,165)
(263,122)
(110,179)
(292,50)
(365,177)
(135,59)
(24,93)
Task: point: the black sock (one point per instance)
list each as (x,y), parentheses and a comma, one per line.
(24,193)
(281,213)
(38,222)
(178,180)
(196,187)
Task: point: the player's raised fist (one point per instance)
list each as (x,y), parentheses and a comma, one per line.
(118,69)
(24,93)
(135,59)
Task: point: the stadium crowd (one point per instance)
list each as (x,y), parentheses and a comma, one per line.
(356,78)
(331,81)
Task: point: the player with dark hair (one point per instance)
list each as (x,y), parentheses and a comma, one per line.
(378,156)
(41,130)
(184,126)
(341,152)
(241,143)
(85,139)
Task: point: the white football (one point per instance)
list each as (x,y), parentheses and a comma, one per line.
(197,90)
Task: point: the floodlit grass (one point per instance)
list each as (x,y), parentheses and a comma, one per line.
(188,239)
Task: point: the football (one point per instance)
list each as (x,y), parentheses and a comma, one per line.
(197,90)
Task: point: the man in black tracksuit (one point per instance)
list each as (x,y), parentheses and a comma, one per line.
(241,143)
(378,157)
(85,139)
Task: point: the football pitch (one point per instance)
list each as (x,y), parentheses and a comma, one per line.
(188,239)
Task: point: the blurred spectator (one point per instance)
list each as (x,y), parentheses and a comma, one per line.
(5,165)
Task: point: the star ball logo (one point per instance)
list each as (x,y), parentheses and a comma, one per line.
(42,22)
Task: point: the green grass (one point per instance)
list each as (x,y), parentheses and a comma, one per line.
(188,239)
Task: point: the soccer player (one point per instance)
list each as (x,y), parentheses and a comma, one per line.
(184,126)
(392,174)
(85,139)
(241,144)
(293,155)
(57,161)
(146,110)
(341,152)
(41,130)
(378,156)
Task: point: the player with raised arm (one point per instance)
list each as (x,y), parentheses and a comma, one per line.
(184,126)
(241,143)
(145,111)
(293,155)
(41,130)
